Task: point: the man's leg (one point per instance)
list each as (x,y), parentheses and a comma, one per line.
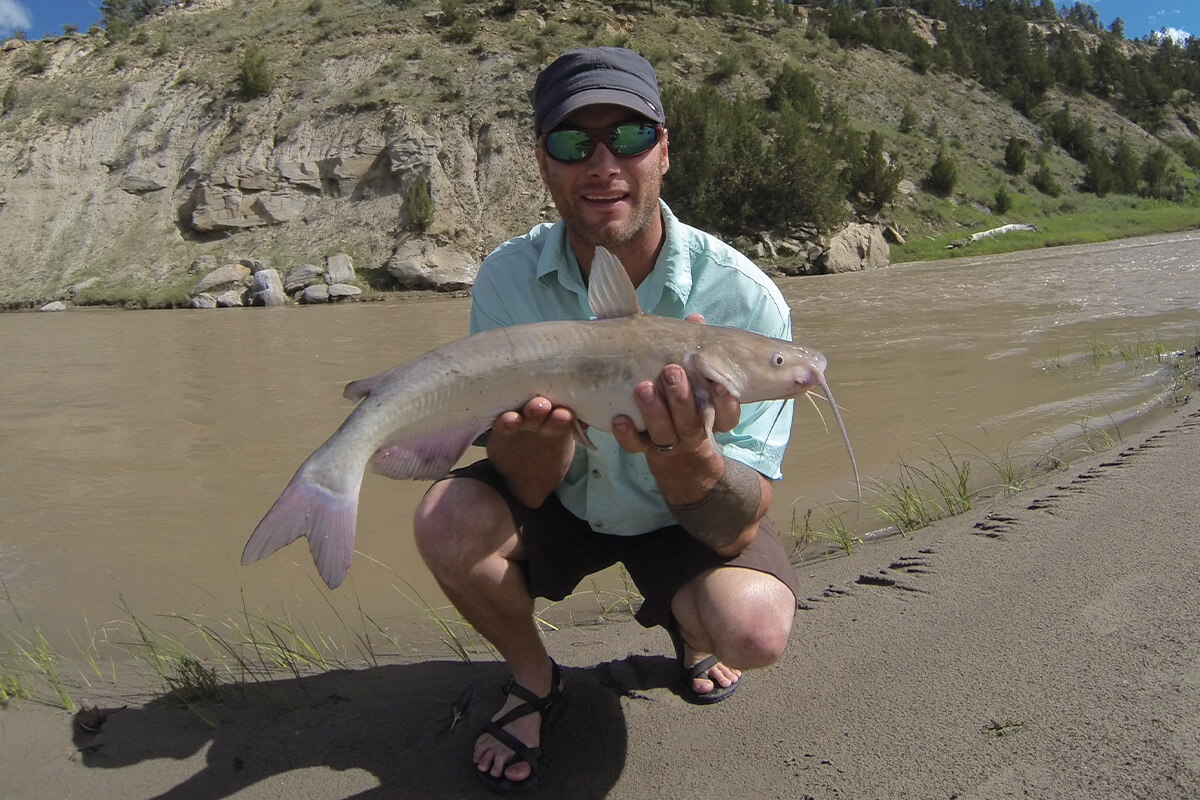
(743,616)
(467,536)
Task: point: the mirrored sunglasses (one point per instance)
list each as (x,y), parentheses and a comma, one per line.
(571,145)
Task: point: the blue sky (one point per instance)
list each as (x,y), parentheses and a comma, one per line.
(36,17)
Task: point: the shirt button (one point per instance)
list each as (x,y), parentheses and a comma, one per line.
(597,524)
(595,473)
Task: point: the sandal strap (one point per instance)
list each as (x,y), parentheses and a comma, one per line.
(533,704)
(521,751)
(700,668)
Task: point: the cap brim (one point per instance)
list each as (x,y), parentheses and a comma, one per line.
(595,97)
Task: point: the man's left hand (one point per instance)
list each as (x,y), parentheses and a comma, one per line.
(673,420)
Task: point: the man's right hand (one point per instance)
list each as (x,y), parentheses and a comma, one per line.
(532,448)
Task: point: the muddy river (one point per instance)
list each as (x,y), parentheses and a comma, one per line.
(139,449)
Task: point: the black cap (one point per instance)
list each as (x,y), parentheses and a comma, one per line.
(594,75)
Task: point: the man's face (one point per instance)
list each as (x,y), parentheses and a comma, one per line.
(605,199)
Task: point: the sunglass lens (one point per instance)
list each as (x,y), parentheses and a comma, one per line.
(568,145)
(633,138)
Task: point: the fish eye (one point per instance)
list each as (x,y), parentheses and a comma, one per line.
(778,359)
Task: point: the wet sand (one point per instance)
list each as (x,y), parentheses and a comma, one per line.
(1044,646)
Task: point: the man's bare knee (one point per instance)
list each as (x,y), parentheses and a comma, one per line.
(459,521)
(760,643)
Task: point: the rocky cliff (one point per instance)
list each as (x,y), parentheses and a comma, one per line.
(119,172)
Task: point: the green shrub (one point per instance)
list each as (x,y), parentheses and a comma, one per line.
(254,74)
(9,98)
(1044,181)
(943,174)
(909,118)
(728,65)
(1158,175)
(738,168)
(420,204)
(1014,156)
(37,58)
(1002,201)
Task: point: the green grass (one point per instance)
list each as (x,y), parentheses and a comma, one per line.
(830,531)
(1097,220)
(28,663)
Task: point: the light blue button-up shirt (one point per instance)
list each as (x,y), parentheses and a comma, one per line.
(536,277)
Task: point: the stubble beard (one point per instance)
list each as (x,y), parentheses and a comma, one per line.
(614,237)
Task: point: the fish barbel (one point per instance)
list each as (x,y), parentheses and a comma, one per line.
(415,420)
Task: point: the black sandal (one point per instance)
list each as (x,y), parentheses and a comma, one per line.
(698,670)
(549,707)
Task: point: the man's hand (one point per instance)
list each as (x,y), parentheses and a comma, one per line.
(718,500)
(532,448)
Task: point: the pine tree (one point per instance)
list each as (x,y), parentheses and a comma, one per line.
(943,174)
(1014,156)
(873,176)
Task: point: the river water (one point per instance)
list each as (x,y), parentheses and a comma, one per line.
(139,449)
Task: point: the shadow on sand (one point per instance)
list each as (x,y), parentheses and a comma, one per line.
(393,722)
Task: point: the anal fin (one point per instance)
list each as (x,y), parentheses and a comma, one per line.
(424,457)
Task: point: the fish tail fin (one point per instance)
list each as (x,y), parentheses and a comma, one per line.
(324,516)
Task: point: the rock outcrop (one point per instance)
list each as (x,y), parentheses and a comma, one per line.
(156,173)
(858,246)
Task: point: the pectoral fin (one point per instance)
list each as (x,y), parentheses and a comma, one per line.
(702,391)
(580,432)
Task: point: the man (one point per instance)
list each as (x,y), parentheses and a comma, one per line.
(538,514)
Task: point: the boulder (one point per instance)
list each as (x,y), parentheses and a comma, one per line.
(343,291)
(339,269)
(203,300)
(426,264)
(857,247)
(223,277)
(56,305)
(302,276)
(231,298)
(266,289)
(317,293)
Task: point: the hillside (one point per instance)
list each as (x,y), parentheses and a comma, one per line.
(289,130)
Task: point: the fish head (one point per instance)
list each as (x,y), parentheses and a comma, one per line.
(755,368)
(787,370)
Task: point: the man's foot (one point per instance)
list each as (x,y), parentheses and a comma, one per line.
(508,754)
(704,679)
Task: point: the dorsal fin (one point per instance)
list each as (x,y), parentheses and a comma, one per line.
(610,292)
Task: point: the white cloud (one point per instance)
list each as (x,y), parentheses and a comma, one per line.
(1178,35)
(12,16)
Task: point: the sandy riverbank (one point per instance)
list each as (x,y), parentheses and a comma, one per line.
(1045,646)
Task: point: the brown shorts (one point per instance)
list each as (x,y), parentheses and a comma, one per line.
(561,550)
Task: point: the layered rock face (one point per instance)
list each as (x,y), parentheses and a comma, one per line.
(171,172)
(118,173)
